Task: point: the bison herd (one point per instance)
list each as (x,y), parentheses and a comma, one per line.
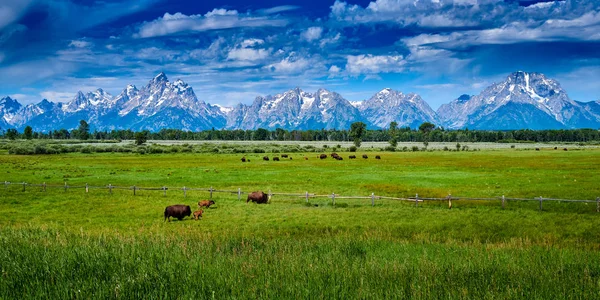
(320,156)
(180,211)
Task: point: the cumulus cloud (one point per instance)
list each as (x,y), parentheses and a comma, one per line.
(372,64)
(248,54)
(213,20)
(312,33)
(79,44)
(292,64)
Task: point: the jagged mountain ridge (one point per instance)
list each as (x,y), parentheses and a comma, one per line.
(523,100)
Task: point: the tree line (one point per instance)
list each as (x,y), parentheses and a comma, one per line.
(357,133)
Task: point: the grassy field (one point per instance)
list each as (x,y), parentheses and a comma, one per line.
(58,244)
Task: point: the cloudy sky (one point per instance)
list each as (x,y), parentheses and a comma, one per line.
(232,51)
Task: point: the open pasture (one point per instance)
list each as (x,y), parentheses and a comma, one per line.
(79,245)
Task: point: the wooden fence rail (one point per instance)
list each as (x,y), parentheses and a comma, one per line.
(416,199)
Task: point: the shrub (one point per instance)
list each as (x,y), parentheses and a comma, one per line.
(415,148)
(40,149)
(258,150)
(352,149)
(390,148)
(446,148)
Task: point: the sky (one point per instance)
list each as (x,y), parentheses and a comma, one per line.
(233,51)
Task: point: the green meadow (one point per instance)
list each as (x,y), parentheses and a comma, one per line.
(72,244)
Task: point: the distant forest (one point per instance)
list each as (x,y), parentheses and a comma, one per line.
(427,132)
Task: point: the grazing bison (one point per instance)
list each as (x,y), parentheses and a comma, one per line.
(178,211)
(198,214)
(305,158)
(339,158)
(537,149)
(275,158)
(555,148)
(334,155)
(323,156)
(352,156)
(284,155)
(566,149)
(377,157)
(258,197)
(243,159)
(266,158)
(365,156)
(205,203)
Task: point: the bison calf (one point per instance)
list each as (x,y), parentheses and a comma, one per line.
(258,197)
(178,211)
(266,158)
(198,214)
(205,203)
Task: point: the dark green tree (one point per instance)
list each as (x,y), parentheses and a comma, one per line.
(260,134)
(11,133)
(357,131)
(426,127)
(393,132)
(83,130)
(28,132)
(141,137)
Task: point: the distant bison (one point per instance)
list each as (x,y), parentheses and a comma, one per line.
(243,159)
(339,158)
(284,155)
(178,211)
(365,156)
(323,156)
(555,148)
(205,203)
(377,157)
(275,158)
(305,158)
(537,149)
(266,158)
(352,156)
(566,149)
(258,197)
(334,155)
(198,214)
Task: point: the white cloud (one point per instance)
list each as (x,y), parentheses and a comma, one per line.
(291,65)
(251,43)
(248,54)
(330,40)
(213,20)
(11,10)
(312,33)
(370,64)
(79,44)
(278,9)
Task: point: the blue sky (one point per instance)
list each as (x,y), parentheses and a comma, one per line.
(232,51)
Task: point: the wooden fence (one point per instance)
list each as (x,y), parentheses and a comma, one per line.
(306,195)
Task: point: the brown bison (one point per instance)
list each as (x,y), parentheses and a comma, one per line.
(305,158)
(284,155)
(275,158)
(198,214)
(178,211)
(339,158)
(365,156)
(323,156)
(205,203)
(565,149)
(266,158)
(352,156)
(334,155)
(258,197)
(537,149)
(243,159)
(377,157)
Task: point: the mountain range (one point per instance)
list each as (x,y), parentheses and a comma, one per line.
(522,101)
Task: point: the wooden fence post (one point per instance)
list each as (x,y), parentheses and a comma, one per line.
(110,187)
(269,196)
(306,197)
(417,200)
(164,188)
(449,201)
(541,203)
(333,198)
(211,190)
(66,186)
(134,190)
(239,194)
(597,204)
(503,199)
(372,199)
(87,188)
(6,185)
(184,193)
(44,186)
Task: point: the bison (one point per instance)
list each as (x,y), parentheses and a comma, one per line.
(565,149)
(377,157)
(365,156)
(352,156)
(305,158)
(198,214)
(205,203)
(284,155)
(266,158)
(243,159)
(178,211)
(323,156)
(334,155)
(258,197)
(537,149)
(275,158)
(339,158)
